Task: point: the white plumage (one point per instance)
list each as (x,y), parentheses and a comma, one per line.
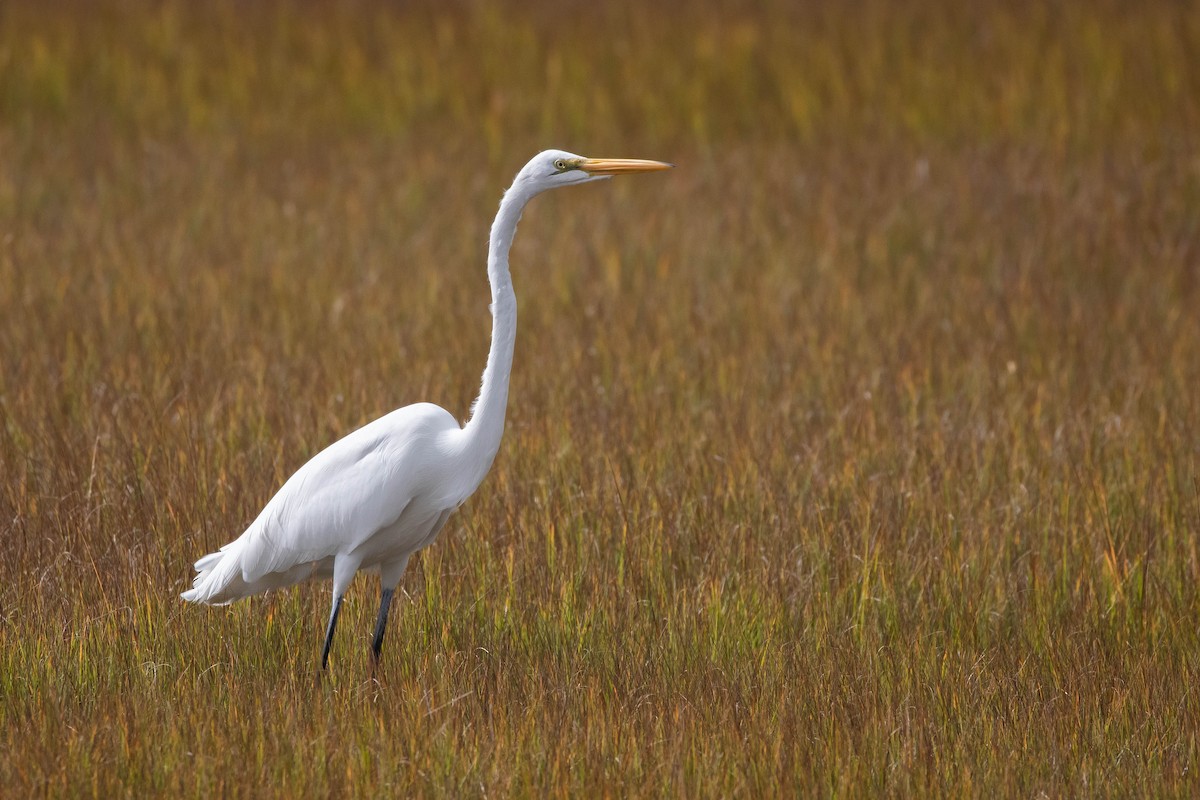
(375,497)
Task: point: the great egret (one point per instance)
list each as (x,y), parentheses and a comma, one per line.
(372,499)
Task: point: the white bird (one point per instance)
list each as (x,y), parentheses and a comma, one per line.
(372,499)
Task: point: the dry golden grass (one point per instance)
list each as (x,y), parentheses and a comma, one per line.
(858,456)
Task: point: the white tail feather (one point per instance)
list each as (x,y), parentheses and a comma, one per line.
(218,577)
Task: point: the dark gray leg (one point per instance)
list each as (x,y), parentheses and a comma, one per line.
(333,615)
(385,602)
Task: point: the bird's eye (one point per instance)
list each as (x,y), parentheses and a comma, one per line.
(560,165)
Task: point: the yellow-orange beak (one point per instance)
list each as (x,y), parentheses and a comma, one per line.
(621,166)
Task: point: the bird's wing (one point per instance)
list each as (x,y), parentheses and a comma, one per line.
(347,492)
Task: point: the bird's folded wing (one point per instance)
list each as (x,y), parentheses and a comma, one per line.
(331,505)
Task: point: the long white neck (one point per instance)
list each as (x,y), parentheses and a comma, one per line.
(486,425)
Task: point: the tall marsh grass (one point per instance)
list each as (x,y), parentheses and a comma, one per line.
(858,456)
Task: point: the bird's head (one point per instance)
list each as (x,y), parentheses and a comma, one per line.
(550,169)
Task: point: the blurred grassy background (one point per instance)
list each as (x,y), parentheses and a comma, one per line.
(856,456)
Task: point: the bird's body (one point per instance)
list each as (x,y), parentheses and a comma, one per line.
(372,499)
(375,497)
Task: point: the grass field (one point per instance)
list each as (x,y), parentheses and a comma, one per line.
(857,456)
